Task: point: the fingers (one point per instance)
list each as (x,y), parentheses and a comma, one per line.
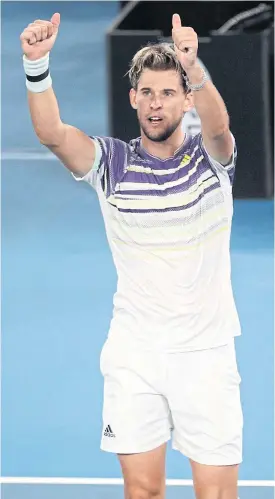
(186,46)
(40,21)
(43,29)
(27,37)
(176,21)
(185,42)
(184,37)
(38,31)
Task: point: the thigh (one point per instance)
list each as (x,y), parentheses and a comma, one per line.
(136,416)
(144,474)
(207,414)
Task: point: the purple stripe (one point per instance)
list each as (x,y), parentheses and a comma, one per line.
(152,178)
(170,190)
(175,208)
(186,148)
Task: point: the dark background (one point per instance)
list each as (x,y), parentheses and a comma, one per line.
(240,62)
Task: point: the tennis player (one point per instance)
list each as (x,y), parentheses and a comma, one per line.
(169,361)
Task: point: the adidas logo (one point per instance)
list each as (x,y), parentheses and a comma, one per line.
(108,432)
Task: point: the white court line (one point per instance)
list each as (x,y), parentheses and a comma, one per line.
(115,481)
(27,155)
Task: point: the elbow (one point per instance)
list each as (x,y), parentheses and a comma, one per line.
(217,129)
(221,131)
(51,140)
(224,127)
(48,142)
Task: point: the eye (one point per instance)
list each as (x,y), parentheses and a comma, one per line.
(167,92)
(146,92)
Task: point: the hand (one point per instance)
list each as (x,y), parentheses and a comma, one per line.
(39,37)
(185,43)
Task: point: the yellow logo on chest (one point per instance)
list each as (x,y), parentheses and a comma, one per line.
(185,160)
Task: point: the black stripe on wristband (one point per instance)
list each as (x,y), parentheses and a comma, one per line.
(37,78)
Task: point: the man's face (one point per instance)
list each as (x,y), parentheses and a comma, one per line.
(160,102)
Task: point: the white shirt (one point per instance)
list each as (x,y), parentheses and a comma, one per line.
(168,223)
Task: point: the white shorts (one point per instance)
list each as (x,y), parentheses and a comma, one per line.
(193,397)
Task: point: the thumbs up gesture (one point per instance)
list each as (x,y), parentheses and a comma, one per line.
(185,43)
(39,37)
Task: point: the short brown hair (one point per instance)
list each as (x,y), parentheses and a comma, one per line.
(157,56)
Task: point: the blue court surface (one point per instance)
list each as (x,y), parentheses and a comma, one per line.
(58,280)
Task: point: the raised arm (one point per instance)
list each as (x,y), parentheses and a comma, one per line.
(75,149)
(208,102)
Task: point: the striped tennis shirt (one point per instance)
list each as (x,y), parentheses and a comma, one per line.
(168,224)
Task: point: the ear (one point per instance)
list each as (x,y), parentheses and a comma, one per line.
(188,102)
(133,100)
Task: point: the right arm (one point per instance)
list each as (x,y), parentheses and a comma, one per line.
(75,149)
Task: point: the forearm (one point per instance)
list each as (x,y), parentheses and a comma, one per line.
(45,117)
(42,101)
(74,148)
(209,105)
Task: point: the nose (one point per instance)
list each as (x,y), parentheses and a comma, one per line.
(156,103)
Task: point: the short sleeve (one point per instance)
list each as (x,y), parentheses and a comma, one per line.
(220,169)
(110,164)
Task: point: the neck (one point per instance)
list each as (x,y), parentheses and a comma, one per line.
(165,149)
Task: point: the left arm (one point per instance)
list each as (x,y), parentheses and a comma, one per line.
(208,102)
(214,118)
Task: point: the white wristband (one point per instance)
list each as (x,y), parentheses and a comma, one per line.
(38,78)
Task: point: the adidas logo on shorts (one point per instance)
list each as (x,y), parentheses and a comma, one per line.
(108,432)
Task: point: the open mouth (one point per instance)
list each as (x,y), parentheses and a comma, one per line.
(155,120)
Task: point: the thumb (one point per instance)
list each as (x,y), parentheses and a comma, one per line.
(55,20)
(176,21)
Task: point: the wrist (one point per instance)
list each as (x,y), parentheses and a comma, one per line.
(196,78)
(195,74)
(35,57)
(38,78)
